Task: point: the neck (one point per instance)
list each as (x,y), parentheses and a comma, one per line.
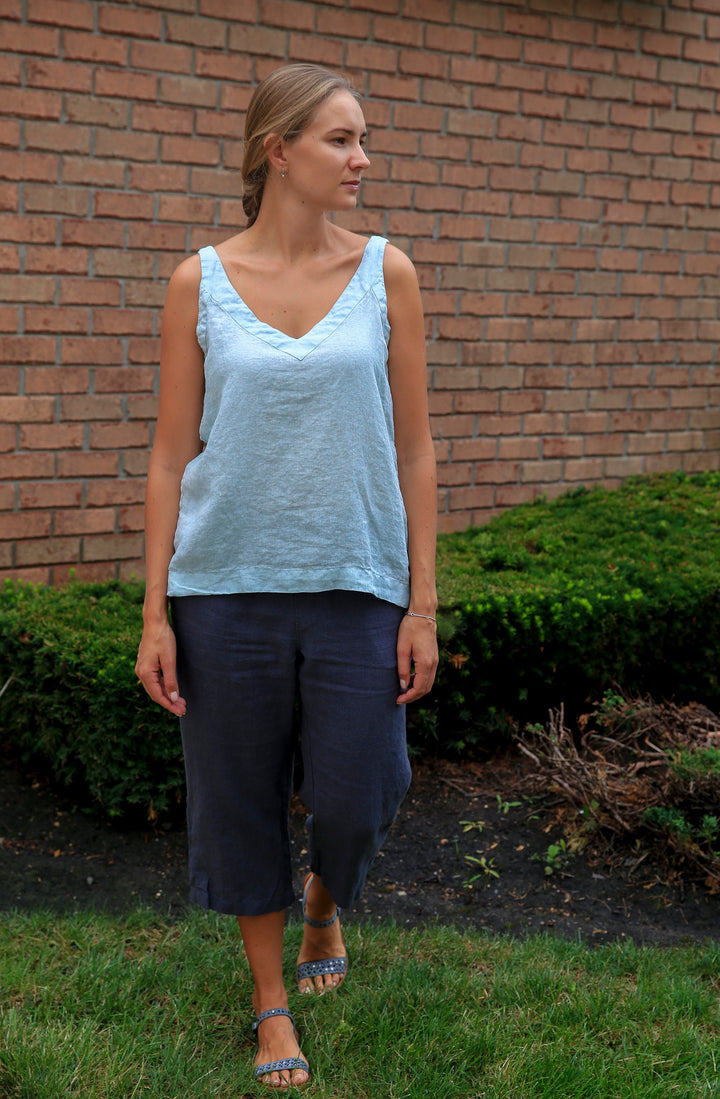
(289,230)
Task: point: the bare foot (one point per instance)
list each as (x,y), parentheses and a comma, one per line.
(321,943)
(277,1041)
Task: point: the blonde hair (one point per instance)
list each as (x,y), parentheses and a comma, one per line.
(283,103)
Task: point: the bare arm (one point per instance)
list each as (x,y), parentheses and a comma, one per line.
(177,442)
(416,467)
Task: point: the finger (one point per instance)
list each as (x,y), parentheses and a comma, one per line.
(161,690)
(422,682)
(403,665)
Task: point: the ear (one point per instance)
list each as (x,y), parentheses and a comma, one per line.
(274,147)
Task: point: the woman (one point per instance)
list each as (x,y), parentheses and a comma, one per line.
(290,518)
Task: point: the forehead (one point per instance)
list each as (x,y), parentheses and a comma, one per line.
(340,110)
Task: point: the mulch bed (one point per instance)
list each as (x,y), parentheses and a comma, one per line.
(56,857)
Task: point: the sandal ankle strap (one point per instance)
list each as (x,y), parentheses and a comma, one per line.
(269,1015)
(308,919)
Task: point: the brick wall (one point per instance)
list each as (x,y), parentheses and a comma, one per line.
(551,166)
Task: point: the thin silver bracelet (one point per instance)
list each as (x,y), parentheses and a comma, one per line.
(411,614)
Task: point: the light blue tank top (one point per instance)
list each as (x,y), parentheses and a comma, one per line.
(296,489)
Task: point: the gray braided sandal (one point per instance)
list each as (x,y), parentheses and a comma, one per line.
(287,1064)
(309,970)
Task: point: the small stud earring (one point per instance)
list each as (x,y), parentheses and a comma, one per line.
(282,173)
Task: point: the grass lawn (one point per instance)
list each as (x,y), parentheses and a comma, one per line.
(109,1008)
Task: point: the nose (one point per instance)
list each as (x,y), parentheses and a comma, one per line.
(360,159)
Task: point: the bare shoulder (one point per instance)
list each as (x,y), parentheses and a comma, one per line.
(185,279)
(398,270)
(346,243)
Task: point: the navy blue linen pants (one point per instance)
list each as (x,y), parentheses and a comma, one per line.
(242,661)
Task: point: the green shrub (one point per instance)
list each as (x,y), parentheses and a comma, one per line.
(550,603)
(74,701)
(556,601)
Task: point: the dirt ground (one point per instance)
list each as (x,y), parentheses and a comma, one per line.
(57,857)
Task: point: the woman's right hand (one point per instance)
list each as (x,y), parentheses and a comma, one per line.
(155,667)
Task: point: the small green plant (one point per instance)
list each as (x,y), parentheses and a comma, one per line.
(709,828)
(472,825)
(671,820)
(504,807)
(485,869)
(695,764)
(556,858)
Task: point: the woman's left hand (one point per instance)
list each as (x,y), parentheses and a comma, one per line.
(416,649)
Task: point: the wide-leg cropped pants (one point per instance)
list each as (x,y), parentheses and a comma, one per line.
(243,660)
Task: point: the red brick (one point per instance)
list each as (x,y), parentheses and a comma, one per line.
(90,349)
(393,87)
(71,261)
(257,41)
(59,75)
(111,547)
(481,496)
(162,56)
(31,39)
(54,319)
(9,132)
(27,349)
(172,120)
(84,464)
(96,111)
(28,166)
(50,494)
(158,177)
(29,103)
(124,380)
(43,379)
(46,551)
(92,47)
(125,85)
(69,13)
(191,90)
(84,521)
(34,525)
(103,493)
(51,436)
(131,22)
(436,11)
(342,23)
(402,31)
(51,135)
(11,69)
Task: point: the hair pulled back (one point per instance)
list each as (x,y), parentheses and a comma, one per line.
(283,103)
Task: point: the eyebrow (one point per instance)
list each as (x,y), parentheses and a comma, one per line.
(342,130)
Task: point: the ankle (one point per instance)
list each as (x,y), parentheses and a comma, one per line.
(269,997)
(319,904)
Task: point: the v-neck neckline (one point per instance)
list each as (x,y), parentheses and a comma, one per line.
(298,346)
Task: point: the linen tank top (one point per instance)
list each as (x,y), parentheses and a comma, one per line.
(296,489)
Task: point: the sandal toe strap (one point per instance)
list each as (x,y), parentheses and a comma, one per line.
(321,967)
(286,1065)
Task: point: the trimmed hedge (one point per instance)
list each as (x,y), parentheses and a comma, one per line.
(74,701)
(555,601)
(550,603)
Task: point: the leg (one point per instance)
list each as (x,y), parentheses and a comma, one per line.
(356,770)
(263,940)
(236,667)
(322,939)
